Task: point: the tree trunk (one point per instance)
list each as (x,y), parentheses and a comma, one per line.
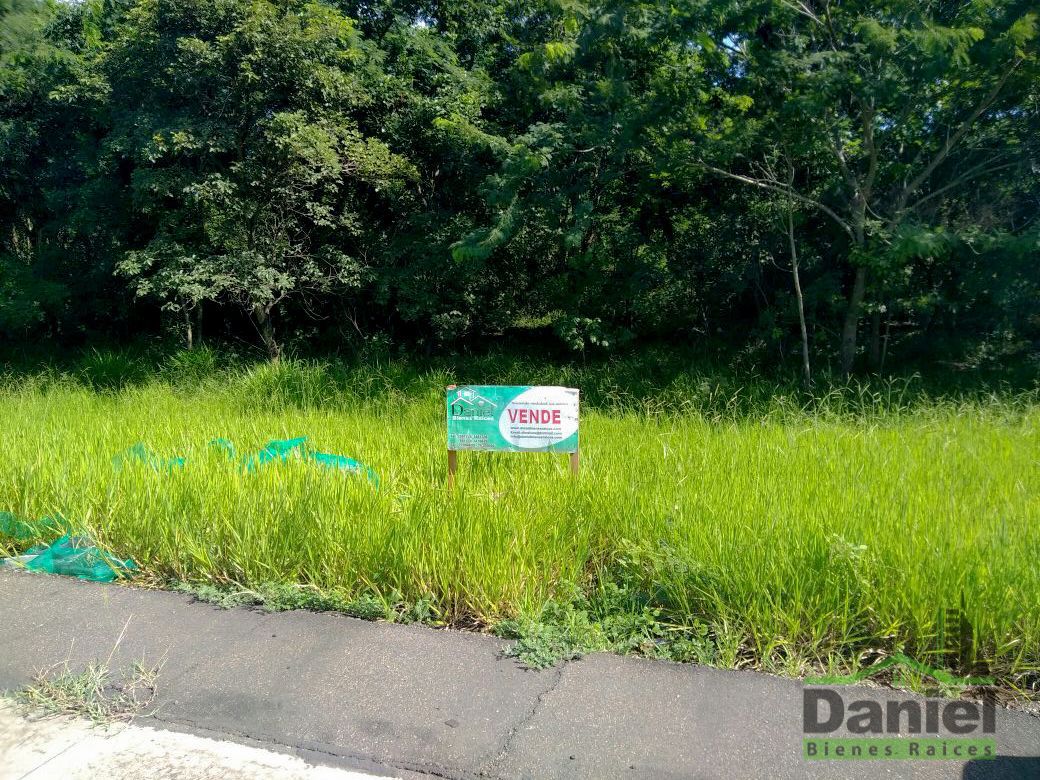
(189,334)
(848,330)
(806,371)
(884,345)
(198,324)
(265,325)
(875,341)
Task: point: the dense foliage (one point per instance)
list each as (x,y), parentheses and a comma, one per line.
(825,182)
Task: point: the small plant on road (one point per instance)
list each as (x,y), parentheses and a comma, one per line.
(95,692)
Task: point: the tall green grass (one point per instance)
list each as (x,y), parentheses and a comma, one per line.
(801,531)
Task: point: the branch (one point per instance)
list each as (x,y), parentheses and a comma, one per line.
(830,26)
(731,49)
(964,177)
(846,172)
(952,140)
(802,9)
(872,155)
(777,187)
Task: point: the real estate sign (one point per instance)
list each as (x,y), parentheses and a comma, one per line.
(512,418)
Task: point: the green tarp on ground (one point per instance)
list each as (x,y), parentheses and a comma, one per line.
(276,450)
(77,556)
(139,452)
(283,449)
(74,555)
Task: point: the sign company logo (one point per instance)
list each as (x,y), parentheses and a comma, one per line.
(875,726)
(470,405)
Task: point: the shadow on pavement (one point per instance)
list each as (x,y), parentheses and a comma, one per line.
(1003,768)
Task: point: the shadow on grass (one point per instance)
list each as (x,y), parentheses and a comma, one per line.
(654,380)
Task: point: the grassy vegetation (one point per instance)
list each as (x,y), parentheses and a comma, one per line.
(96,691)
(713,521)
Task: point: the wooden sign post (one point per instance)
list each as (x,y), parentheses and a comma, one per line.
(505,418)
(453,464)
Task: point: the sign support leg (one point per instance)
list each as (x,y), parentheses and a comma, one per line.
(453,463)
(575,463)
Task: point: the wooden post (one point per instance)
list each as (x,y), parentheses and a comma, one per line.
(453,458)
(575,463)
(453,462)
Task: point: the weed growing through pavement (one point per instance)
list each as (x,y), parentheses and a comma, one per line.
(97,692)
(281,597)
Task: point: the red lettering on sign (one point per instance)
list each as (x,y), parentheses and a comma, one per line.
(535,416)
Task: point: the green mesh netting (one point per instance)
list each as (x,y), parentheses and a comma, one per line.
(71,554)
(139,452)
(275,451)
(77,556)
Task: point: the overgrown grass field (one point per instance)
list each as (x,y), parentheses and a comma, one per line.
(728,524)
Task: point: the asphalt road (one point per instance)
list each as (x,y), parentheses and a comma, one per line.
(409,700)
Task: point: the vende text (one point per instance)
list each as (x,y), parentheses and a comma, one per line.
(535,416)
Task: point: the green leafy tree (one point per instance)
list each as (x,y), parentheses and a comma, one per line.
(249,160)
(25,56)
(885,109)
(743,173)
(579,205)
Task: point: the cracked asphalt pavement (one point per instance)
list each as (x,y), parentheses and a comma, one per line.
(411,701)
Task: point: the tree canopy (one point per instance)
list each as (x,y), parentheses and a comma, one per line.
(850,182)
